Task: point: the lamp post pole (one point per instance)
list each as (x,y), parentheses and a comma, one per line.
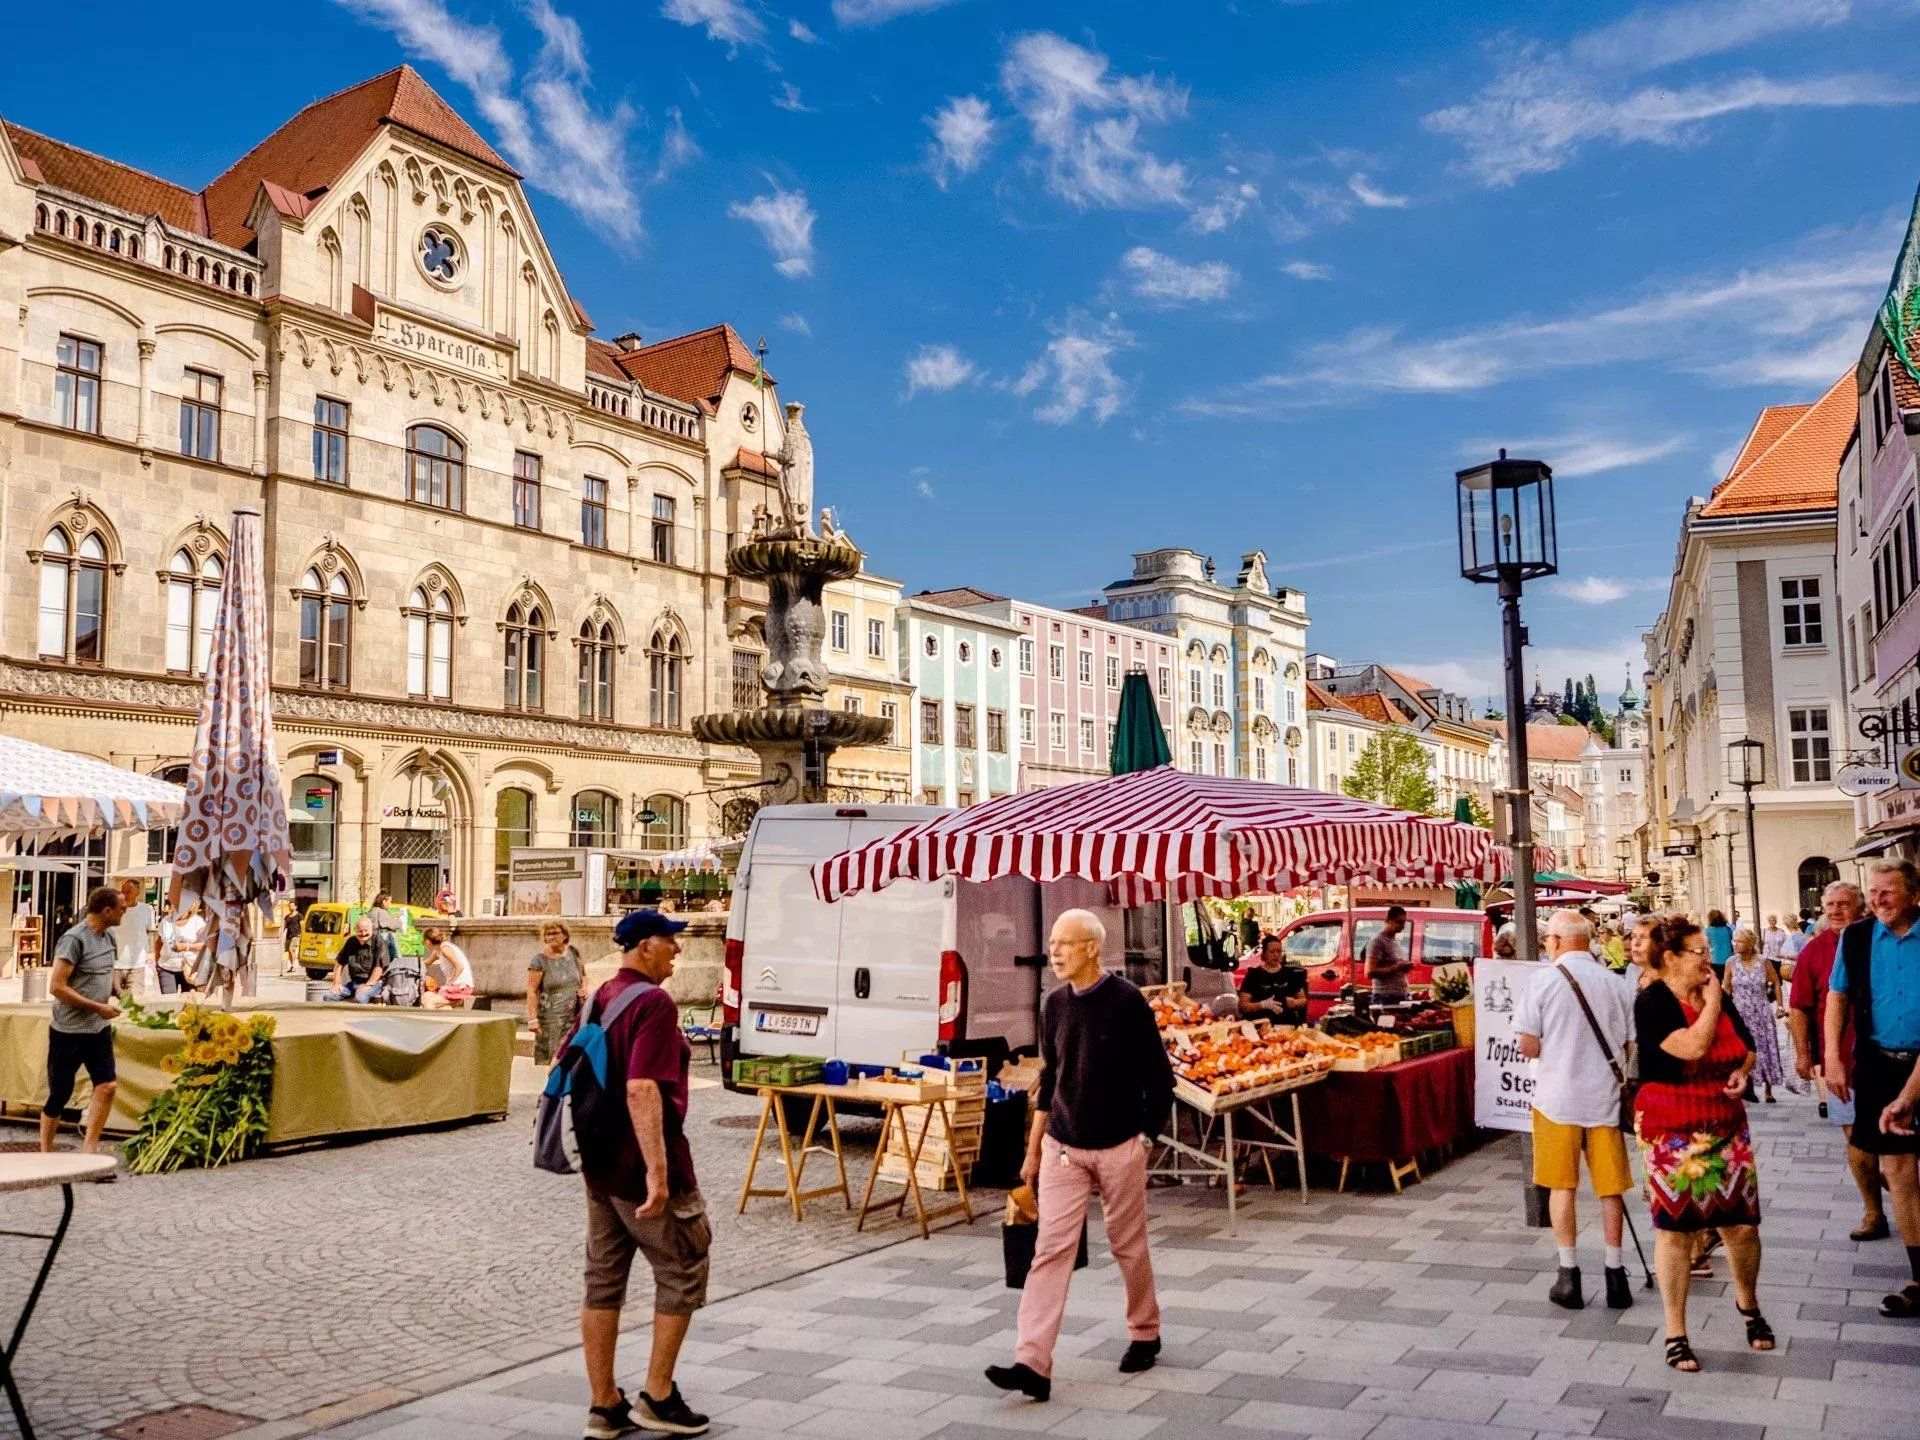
(1519,795)
(1753,860)
(1733,885)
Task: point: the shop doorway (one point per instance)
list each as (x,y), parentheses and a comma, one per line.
(414,864)
(1816,873)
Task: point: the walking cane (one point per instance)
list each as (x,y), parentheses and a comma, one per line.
(1627,1215)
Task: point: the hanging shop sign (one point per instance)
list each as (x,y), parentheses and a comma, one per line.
(1858,780)
(1682,852)
(1908,769)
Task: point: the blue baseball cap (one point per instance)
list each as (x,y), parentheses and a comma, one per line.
(638,925)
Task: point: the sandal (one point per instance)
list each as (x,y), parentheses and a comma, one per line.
(1702,1267)
(1680,1355)
(1903,1306)
(1759,1333)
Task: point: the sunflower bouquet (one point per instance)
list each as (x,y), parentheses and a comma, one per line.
(216,1111)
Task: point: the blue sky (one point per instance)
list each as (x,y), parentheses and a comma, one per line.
(1059,282)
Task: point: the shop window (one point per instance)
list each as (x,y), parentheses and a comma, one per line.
(513,816)
(596,819)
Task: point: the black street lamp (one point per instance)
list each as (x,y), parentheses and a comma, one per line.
(1507,537)
(1747,768)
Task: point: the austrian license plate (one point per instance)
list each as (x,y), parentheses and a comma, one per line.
(785,1022)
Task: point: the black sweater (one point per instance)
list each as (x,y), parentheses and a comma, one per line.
(1104,1076)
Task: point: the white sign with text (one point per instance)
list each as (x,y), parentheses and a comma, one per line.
(1502,1076)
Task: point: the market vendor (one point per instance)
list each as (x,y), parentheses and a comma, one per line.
(1273,989)
(1387,965)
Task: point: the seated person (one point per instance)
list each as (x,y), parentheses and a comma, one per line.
(449,974)
(1273,989)
(359,971)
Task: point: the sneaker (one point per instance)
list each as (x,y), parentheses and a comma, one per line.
(1566,1289)
(1024,1378)
(672,1414)
(1140,1356)
(609,1422)
(1619,1288)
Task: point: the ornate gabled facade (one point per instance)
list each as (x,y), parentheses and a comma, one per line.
(497,545)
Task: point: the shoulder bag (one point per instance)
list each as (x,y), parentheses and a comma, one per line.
(1622,1066)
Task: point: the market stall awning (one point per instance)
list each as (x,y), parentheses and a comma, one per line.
(46,794)
(692,859)
(1165,834)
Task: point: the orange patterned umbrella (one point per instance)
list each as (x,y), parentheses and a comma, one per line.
(234,849)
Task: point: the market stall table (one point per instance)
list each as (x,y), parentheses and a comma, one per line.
(1394,1113)
(1179,1160)
(894,1104)
(34,1171)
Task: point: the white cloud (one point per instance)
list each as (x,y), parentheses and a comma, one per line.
(677,149)
(1074,375)
(730,22)
(1372,196)
(938,367)
(1160,277)
(1595,590)
(853,14)
(788,98)
(1544,105)
(796,322)
(1797,317)
(785,222)
(1087,124)
(799,31)
(1231,201)
(963,131)
(1586,452)
(1307,270)
(924,489)
(544,121)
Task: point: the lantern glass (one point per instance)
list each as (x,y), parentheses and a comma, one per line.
(1507,521)
(1746,763)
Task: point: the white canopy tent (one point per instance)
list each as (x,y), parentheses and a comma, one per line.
(48,794)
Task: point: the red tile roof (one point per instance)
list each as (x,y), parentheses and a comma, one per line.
(1375,706)
(601,361)
(691,367)
(1771,425)
(1319,699)
(70,168)
(1556,742)
(1095,611)
(1798,469)
(755,462)
(959,597)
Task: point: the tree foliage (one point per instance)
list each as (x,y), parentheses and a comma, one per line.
(1395,769)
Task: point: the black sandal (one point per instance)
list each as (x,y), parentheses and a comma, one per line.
(1759,1333)
(1680,1355)
(1903,1306)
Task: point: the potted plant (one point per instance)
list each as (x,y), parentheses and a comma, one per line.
(1453,986)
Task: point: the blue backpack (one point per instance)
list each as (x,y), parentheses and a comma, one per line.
(578,1082)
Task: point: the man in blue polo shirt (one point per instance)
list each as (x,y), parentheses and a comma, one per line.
(1876,977)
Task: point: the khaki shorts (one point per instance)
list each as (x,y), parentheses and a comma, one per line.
(1556,1156)
(675,1243)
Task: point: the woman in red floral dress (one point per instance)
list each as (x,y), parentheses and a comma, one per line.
(1695,1056)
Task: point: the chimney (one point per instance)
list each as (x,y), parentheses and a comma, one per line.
(628,342)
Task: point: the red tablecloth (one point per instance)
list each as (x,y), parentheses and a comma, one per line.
(1393,1112)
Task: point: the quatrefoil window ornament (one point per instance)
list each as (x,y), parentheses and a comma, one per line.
(440,255)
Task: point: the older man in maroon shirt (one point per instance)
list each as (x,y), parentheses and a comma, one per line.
(1840,905)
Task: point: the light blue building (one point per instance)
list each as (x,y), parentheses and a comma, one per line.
(961,668)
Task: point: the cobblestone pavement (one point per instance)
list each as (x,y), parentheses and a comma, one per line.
(1415,1317)
(330,1282)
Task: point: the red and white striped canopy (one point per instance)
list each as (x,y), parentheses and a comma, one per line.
(1164,834)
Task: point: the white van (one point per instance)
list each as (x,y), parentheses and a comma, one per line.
(918,966)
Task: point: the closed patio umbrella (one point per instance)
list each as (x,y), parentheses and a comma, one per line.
(1466,895)
(1139,740)
(234,848)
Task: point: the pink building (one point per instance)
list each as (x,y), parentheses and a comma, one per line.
(1068,665)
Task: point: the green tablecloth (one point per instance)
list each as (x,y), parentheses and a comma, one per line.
(338,1069)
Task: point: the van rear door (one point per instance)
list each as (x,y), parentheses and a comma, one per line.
(888,1000)
(789,980)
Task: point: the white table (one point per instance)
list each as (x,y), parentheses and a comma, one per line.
(33,1171)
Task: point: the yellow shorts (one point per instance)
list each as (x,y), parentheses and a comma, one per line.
(1556,1156)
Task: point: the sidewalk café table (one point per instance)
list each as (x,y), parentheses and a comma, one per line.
(1393,1114)
(1176,1159)
(895,1104)
(32,1170)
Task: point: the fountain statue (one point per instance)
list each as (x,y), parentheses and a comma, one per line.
(794,734)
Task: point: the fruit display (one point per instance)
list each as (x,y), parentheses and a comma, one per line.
(1427,1017)
(1178,1012)
(1234,1056)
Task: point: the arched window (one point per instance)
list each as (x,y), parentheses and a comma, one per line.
(436,468)
(596,818)
(326,630)
(513,812)
(596,670)
(666,669)
(1816,873)
(429,644)
(160,843)
(73,598)
(193,597)
(667,830)
(526,638)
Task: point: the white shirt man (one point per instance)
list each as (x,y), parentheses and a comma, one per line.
(1576,1099)
(132,940)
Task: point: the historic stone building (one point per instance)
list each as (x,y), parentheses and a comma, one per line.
(497,545)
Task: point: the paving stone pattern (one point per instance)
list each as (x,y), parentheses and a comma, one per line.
(1415,1317)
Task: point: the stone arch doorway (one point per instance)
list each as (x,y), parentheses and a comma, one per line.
(1816,873)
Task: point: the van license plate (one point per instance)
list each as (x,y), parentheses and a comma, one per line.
(783,1022)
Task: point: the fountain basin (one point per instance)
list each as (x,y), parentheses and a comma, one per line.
(795,556)
(792,726)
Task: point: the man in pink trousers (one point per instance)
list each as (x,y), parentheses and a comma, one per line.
(1105,1090)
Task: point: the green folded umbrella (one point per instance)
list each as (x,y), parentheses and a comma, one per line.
(1139,741)
(1466,895)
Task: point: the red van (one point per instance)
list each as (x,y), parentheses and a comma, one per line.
(1324,945)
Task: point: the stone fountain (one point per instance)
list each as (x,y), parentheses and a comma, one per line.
(793,733)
